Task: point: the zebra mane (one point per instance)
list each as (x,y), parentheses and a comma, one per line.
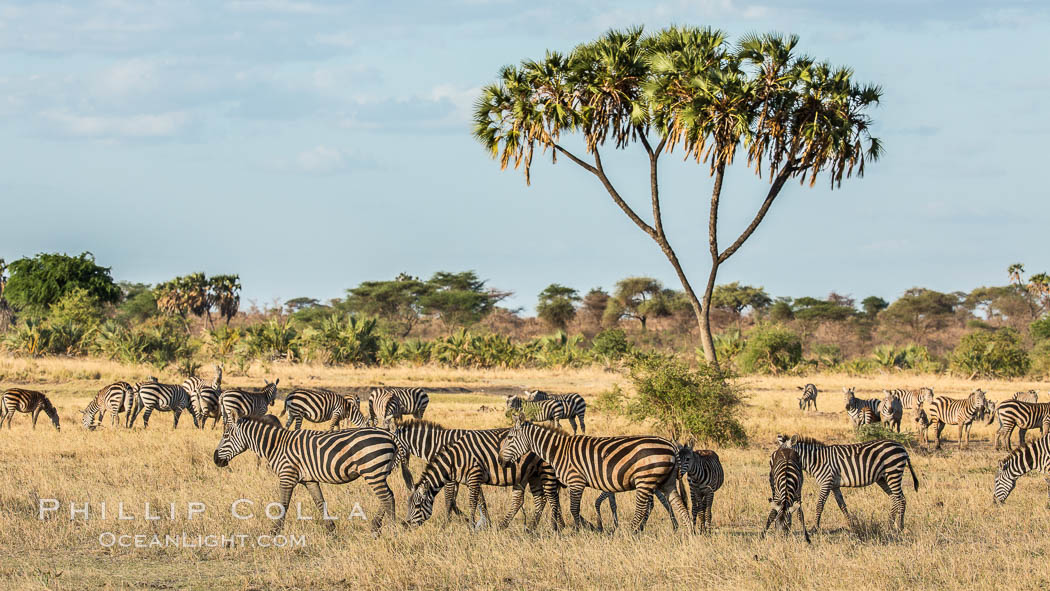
(422,423)
(808,440)
(555,430)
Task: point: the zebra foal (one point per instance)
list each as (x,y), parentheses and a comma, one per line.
(785,485)
(808,398)
(117,398)
(318,406)
(236,403)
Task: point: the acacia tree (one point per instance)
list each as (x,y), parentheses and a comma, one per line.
(557,305)
(687,88)
(640,298)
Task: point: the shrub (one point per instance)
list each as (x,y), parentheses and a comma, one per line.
(772,349)
(728,345)
(827,356)
(880,431)
(700,403)
(347,339)
(990,355)
(1040,329)
(611,343)
(610,400)
(1040,357)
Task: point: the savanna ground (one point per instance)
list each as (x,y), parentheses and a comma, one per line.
(954,537)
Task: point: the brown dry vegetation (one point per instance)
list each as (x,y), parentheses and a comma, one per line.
(954,537)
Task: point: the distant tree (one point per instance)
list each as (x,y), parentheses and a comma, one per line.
(557,305)
(224,292)
(594,304)
(872,305)
(1005,303)
(781,310)
(640,298)
(38,282)
(919,311)
(302,303)
(185,295)
(138,302)
(735,298)
(1036,289)
(6,315)
(807,308)
(398,302)
(77,308)
(459,299)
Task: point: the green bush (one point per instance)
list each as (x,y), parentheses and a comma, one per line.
(1040,357)
(1040,329)
(347,339)
(771,349)
(880,431)
(827,356)
(701,403)
(611,343)
(728,346)
(610,400)
(990,355)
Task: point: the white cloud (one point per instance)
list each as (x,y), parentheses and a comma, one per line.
(321,160)
(133,126)
(344,39)
(285,6)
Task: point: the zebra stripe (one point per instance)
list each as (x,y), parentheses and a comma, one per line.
(912,398)
(1029,396)
(26,401)
(237,403)
(613,464)
(922,425)
(204,397)
(785,486)
(575,406)
(861,411)
(152,395)
(953,411)
(1024,459)
(474,459)
(1024,416)
(541,411)
(809,397)
(854,465)
(390,404)
(318,406)
(891,410)
(116,398)
(312,457)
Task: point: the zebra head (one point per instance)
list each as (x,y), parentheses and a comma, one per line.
(925,395)
(270,390)
(686,458)
(51,412)
(351,409)
(787,442)
(87,420)
(421,505)
(513,402)
(515,443)
(232,444)
(848,395)
(1004,481)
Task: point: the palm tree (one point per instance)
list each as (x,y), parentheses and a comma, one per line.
(6,315)
(688,88)
(225,292)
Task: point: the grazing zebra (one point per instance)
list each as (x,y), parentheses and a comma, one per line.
(473,460)
(1024,459)
(891,410)
(28,401)
(613,464)
(390,404)
(575,406)
(151,395)
(922,425)
(809,397)
(237,403)
(912,398)
(785,485)
(312,457)
(318,406)
(117,398)
(953,411)
(861,411)
(1024,416)
(1029,396)
(542,411)
(204,397)
(879,462)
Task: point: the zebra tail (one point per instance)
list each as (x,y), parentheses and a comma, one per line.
(682,493)
(284,410)
(914,479)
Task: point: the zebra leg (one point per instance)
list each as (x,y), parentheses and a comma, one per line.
(315,492)
(176,412)
(386,498)
(1020,434)
(598,509)
(667,506)
(451,492)
(36,413)
(937,431)
(643,503)
(291,419)
(842,504)
(802,521)
(575,496)
(145,417)
(517,500)
(961,437)
(539,503)
(553,498)
(822,497)
(298,422)
(676,508)
(572,421)
(769,521)
(287,480)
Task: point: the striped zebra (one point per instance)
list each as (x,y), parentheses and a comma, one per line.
(1024,459)
(540,411)
(861,411)
(879,462)
(116,398)
(613,464)
(236,403)
(1023,416)
(912,398)
(575,406)
(27,401)
(808,398)
(922,425)
(1029,396)
(785,486)
(953,411)
(390,404)
(204,397)
(891,410)
(312,457)
(318,406)
(474,459)
(151,395)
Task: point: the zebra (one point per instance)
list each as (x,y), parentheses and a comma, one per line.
(912,398)
(1029,396)
(474,459)
(318,406)
(785,485)
(891,410)
(204,397)
(880,461)
(236,403)
(542,411)
(311,457)
(117,398)
(953,411)
(151,395)
(922,425)
(575,406)
(1024,416)
(613,464)
(388,404)
(1024,459)
(28,401)
(861,411)
(809,397)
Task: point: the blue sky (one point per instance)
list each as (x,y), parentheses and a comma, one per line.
(311,145)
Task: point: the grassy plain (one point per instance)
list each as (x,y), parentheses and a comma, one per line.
(954,537)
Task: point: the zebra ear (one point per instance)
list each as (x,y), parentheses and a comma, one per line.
(793,441)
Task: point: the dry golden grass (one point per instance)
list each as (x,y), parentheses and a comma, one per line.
(954,537)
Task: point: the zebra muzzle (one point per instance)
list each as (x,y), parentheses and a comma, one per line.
(219,461)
